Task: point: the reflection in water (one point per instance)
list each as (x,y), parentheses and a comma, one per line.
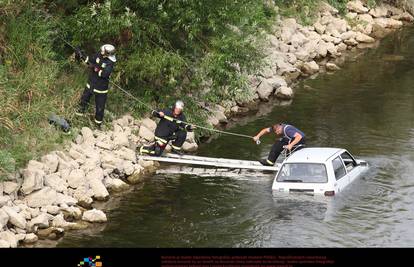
(367,107)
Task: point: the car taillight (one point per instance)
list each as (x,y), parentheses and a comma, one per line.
(329,193)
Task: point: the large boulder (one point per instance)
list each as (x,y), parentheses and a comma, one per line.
(379,11)
(191,137)
(219,113)
(407,17)
(351,42)
(127,154)
(388,23)
(331,66)
(116,185)
(96,173)
(4,218)
(277,81)
(284,93)
(189,147)
(45,196)
(51,161)
(76,178)
(72,213)
(55,182)
(87,134)
(325,8)
(33,180)
(83,196)
(363,38)
(365,18)
(52,209)
(30,238)
(4,200)
(41,222)
(62,199)
(336,26)
(74,153)
(8,238)
(322,49)
(120,139)
(94,216)
(59,221)
(287,29)
(347,35)
(149,124)
(341,47)
(298,39)
(10,187)
(128,167)
(15,218)
(146,133)
(356,6)
(98,188)
(310,68)
(264,90)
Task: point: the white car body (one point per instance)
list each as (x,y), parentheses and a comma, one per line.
(318,171)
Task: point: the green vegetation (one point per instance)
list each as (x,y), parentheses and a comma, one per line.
(197,50)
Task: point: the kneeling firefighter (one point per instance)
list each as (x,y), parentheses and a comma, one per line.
(101,66)
(172,126)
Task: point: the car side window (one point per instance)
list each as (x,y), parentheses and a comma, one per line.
(349,162)
(338,167)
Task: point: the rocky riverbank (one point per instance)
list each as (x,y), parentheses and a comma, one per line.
(294,51)
(60,191)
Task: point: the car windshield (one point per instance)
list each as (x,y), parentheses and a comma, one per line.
(302,173)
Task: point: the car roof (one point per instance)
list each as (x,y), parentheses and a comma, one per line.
(314,154)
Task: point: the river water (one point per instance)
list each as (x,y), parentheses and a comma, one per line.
(367,108)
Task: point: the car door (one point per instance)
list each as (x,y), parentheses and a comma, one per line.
(340,173)
(351,166)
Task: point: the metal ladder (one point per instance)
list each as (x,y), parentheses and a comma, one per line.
(213,162)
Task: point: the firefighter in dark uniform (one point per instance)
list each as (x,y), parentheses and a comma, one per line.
(172,126)
(101,66)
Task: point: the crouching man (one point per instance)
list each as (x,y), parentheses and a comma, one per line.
(172,127)
(292,139)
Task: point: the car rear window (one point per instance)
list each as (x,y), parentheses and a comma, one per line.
(303,173)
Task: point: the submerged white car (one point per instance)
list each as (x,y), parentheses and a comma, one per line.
(318,171)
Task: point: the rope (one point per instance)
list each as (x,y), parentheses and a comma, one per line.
(150,108)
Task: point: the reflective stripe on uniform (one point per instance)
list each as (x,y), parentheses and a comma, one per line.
(270,162)
(172,119)
(143,150)
(176,147)
(87,59)
(168,118)
(100,73)
(163,141)
(100,92)
(88,86)
(97,60)
(99,122)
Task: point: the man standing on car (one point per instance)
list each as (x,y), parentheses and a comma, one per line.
(292,138)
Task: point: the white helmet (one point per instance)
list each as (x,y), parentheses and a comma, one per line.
(109,50)
(179,104)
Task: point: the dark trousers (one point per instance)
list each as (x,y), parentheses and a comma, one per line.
(277,148)
(161,142)
(100,101)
